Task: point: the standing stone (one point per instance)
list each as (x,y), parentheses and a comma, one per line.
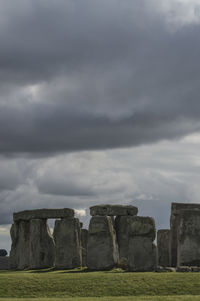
(42,246)
(113,210)
(67,235)
(175,212)
(142,252)
(84,242)
(163,244)
(189,238)
(135,236)
(122,232)
(127,226)
(102,249)
(19,254)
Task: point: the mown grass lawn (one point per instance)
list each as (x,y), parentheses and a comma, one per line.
(113,285)
(133,298)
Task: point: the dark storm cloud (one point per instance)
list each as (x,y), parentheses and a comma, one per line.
(106,75)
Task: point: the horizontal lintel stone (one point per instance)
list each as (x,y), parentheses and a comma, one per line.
(113,210)
(43,214)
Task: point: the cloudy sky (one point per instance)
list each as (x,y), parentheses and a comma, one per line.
(99,103)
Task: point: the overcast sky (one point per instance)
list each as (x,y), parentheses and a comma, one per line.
(99,103)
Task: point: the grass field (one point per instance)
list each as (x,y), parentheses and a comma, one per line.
(113,285)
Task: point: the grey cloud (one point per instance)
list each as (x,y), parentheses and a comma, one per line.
(108,75)
(66,187)
(97,75)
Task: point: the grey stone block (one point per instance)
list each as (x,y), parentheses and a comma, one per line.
(160,269)
(163,244)
(32,245)
(131,226)
(19,254)
(102,249)
(67,235)
(113,210)
(183,269)
(84,242)
(43,214)
(195,269)
(42,246)
(141,254)
(175,212)
(189,238)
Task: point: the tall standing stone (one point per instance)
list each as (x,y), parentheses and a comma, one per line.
(135,236)
(102,249)
(84,242)
(42,246)
(19,254)
(142,252)
(189,238)
(163,244)
(67,235)
(122,231)
(175,212)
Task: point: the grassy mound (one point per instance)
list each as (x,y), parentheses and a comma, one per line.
(112,285)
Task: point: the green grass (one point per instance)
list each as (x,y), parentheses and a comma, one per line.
(106,286)
(133,298)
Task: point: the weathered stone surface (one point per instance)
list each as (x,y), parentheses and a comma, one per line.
(43,214)
(41,246)
(3,252)
(20,236)
(141,254)
(4,263)
(175,212)
(195,269)
(131,226)
(67,235)
(19,254)
(122,233)
(163,244)
(102,249)
(188,251)
(84,242)
(183,269)
(32,245)
(113,210)
(160,269)
(142,226)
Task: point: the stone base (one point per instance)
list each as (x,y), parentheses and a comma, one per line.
(160,269)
